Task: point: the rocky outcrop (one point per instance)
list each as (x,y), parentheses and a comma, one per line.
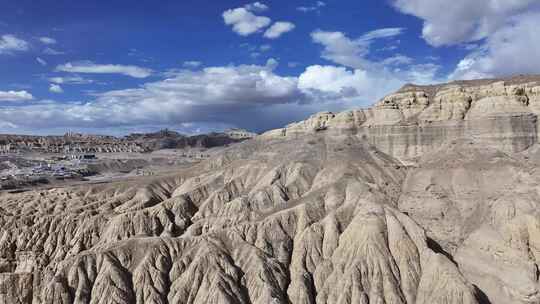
(480,205)
(312,213)
(420,119)
(310,220)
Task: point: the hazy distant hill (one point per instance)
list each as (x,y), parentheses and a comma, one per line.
(75,142)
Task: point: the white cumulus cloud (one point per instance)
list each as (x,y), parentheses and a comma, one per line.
(349,52)
(53,52)
(279,28)
(256,7)
(340,49)
(397,59)
(501,36)
(192,64)
(332,79)
(244,22)
(47,40)
(15,96)
(41,61)
(513,49)
(93,68)
(315,7)
(54,88)
(459,21)
(381,33)
(351,85)
(70,80)
(360,75)
(10,44)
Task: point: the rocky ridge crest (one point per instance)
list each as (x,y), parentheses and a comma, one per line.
(419,119)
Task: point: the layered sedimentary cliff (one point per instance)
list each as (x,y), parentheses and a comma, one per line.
(312,213)
(419,119)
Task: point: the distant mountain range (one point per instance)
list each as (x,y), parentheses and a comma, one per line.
(138,142)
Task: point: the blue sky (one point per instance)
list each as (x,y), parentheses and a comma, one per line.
(129,66)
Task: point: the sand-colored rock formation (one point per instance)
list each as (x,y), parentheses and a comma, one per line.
(481,206)
(420,119)
(311,220)
(313,213)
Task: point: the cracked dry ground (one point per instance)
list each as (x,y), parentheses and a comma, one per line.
(318,219)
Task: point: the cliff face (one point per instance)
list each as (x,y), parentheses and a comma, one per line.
(419,119)
(312,213)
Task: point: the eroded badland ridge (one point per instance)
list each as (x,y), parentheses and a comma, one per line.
(420,119)
(430,196)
